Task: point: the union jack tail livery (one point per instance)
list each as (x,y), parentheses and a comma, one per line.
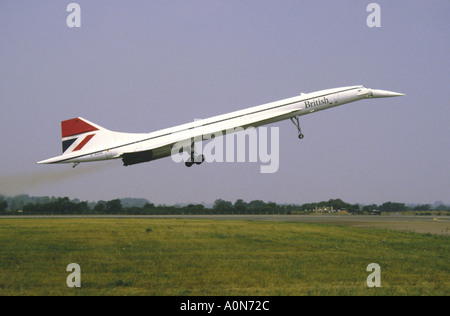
(77,133)
(84,141)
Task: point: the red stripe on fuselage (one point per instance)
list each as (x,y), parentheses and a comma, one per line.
(84,142)
(75,126)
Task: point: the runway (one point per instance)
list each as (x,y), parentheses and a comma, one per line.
(439,225)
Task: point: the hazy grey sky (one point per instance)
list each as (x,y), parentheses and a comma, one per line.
(140,66)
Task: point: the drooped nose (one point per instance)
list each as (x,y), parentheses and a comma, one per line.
(383,94)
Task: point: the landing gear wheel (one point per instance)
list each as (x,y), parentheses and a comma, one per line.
(195,159)
(300,136)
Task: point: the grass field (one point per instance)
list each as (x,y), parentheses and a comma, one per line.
(207,257)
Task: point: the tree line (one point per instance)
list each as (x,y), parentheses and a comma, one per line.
(64,206)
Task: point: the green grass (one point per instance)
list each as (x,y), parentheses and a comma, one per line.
(204,257)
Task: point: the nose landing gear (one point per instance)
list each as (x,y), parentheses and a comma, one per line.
(296,122)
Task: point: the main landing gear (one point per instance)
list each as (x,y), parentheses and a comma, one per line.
(296,122)
(195,158)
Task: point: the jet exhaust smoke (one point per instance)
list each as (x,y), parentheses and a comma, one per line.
(22,182)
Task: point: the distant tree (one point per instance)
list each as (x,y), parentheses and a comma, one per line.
(113,207)
(423,207)
(221,206)
(354,208)
(392,207)
(100,207)
(3,205)
(337,204)
(256,206)
(193,209)
(45,200)
(62,205)
(369,208)
(149,206)
(83,207)
(271,208)
(442,207)
(17,203)
(240,206)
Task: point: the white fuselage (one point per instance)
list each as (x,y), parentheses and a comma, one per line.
(160,142)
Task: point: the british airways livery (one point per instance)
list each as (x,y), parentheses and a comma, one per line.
(84,141)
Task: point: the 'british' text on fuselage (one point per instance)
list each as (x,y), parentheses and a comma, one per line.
(316,102)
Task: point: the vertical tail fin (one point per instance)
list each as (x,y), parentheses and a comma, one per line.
(76,133)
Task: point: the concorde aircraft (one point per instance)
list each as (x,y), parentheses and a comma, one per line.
(84,141)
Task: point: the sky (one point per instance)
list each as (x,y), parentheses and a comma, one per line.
(141,66)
